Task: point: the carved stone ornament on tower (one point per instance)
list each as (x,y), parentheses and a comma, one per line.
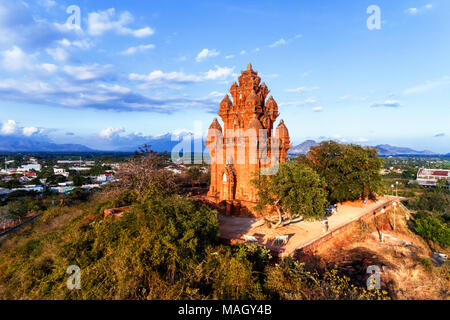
(246,144)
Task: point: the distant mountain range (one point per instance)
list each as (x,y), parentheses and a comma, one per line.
(164,143)
(384,149)
(387,150)
(19,144)
(303,148)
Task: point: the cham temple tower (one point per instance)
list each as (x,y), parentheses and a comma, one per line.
(246,145)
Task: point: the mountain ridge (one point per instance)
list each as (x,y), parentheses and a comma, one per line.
(384,149)
(18,144)
(164,143)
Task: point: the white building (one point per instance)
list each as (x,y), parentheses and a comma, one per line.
(65,184)
(61,189)
(60,172)
(104,178)
(430,177)
(30,167)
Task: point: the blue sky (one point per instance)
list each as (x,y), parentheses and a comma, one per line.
(143,68)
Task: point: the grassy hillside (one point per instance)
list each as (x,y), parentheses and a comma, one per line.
(166,247)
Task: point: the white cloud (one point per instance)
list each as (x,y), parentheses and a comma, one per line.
(10,127)
(229,57)
(302,89)
(21,27)
(174,79)
(412,11)
(84,86)
(80,44)
(302,103)
(68,92)
(110,133)
(310,100)
(58,54)
(29,131)
(427,86)
(15,59)
(278,43)
(283,41)
(318,109)
(101,22)
(85,72)
(138,49)
(50,68)
(416,11)
(142,33)
(47,3)
(387,104)
(13,128)
(338,137)
(206,53)
(159,78)
(217,94)
(243,52)
(218,73)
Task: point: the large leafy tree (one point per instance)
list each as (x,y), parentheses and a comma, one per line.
(351,172)
(296,190)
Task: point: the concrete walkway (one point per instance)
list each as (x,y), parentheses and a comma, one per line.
(301,233)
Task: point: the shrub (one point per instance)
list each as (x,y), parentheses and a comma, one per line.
(431,228)
(426,263)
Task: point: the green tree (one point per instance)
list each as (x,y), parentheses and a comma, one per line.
(434,200)
(295,190)
(351,172)
(78,180)
(432,228)
(410,173)
(11,184)
(15,210)
(230,275)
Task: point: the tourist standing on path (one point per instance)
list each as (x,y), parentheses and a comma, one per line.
(325,226)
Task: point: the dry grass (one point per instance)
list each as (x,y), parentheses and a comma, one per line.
(47,225)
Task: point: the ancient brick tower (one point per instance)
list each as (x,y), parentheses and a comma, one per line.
(246,145)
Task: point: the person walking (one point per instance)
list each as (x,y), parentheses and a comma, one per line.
(324,227)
